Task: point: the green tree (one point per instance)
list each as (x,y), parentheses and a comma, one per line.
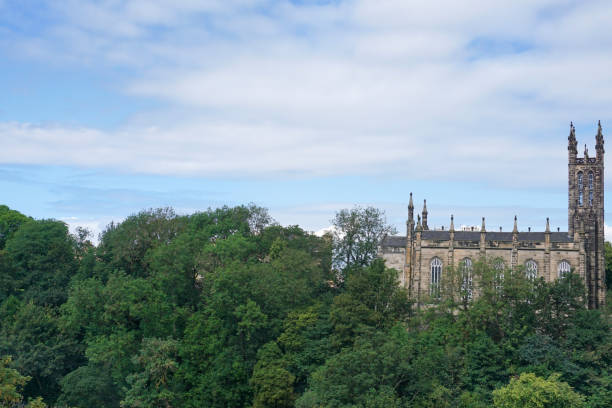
(356,235)
(8,311)
(272,383)
(175,269)
(40,349)
(373,299)
(608,258)
(36,403)
(245,303)
(89,386)
(439,397)
(588,343)
(225,221)
(10,221)
(151,386)
(378,364)
(531,391)
(42,261)
(220,351)
(305,342)
(384,397)
(293,237)
(379,289)
(10,383)
(82,241)
(542,355)
(503,309)
(113,318)
(124,246)
(558,302)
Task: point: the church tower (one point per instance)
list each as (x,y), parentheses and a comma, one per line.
(586,211)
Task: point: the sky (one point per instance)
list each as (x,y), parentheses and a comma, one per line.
(303,107)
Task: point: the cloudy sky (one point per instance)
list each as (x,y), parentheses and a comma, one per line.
(305,107)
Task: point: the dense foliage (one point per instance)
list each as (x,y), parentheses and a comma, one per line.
(225,308)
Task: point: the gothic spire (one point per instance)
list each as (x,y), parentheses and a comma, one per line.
(515,229)
(599,140)
(419,227)
(411,210)
(425,227)
(482,227)
(572,143)
(547,225)
(452,224)
(599,134)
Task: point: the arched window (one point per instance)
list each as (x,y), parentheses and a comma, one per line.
(466,278)
(580,189)
(531,269)
(564,268)
(436,274)
(591,188)
(498,280)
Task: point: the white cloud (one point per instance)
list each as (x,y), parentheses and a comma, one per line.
(263,150)
(326,230)
(95,227)
(425,89)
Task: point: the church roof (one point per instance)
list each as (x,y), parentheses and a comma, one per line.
(394,241)
(474,236)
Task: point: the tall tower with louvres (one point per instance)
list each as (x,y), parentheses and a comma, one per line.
(586,211)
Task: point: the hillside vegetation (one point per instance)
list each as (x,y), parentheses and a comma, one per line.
(225,308)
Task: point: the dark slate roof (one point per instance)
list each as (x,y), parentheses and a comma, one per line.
(399,241)
(541,236)
(394,241)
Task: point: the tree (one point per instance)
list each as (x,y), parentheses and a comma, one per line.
(356,236)
(294,237)
(125,245)
(82,242)
(176,267)
(152,386)
(225,221)
(10,221)
(113,318)
(39,349)
(244,304)
(379,289)
(305,342)
(608,257)
(484,363)
(89,386)
(220,309)
(531,391)
(373,298)
(558,302)
(41,256)
(272,383)
(375,365)
(10,383)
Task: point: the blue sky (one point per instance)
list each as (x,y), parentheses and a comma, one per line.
(304,107)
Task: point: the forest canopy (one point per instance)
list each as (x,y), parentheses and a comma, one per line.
(226,308)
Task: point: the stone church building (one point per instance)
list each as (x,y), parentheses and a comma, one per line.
(423,255)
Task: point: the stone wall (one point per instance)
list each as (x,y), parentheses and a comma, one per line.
(546,260)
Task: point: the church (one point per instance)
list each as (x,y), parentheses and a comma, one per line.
(423,255)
